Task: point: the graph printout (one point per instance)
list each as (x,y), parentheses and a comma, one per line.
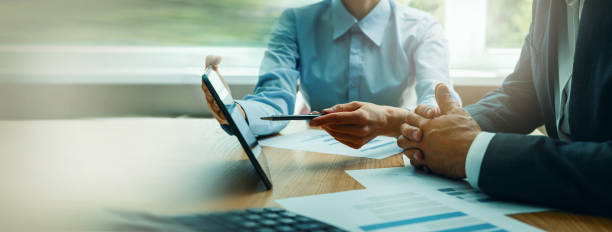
(396,209)
(452,190)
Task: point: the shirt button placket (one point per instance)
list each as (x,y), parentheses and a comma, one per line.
(355,64)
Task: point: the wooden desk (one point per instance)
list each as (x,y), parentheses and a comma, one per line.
(66,174)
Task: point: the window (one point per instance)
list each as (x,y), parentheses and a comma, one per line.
(486,35)
(434,7)
(142,22)
(154,22)
(507,23)
(177,34)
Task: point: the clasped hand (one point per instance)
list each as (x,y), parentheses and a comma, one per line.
(439,144)
(435,140)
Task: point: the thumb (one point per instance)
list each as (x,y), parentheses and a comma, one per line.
(444,99)
(343,107)
(213,60)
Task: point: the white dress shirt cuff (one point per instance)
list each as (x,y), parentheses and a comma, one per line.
(477,151)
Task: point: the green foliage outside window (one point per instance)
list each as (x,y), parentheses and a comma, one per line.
(197,22)
(507,23)
(138,22)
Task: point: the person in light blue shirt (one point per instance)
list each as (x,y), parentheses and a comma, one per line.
(341,51)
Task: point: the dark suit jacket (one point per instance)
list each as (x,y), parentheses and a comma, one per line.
(569,175)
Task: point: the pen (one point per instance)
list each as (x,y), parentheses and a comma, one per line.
(290,117)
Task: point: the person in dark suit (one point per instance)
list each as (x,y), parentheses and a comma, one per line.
(562,80)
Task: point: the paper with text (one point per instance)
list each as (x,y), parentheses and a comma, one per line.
(409,178)
(319,141)
(396,209)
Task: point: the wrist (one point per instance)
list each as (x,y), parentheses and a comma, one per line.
(394,119)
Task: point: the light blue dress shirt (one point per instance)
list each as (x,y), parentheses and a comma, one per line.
(567,46)
(394,56)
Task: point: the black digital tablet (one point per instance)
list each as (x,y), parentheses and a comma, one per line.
(238,125)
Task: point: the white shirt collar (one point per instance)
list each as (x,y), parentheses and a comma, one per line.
(373,24)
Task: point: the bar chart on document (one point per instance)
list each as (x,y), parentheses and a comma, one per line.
(432,184)
(319,141)
(395,210)
(466,193)
(421,213)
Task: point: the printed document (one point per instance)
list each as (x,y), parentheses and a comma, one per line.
(468,197)
(396,209)
(319,141)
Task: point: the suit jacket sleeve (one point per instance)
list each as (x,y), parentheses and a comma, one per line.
(514,107)
(567,175)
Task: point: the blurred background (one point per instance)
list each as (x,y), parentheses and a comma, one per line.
(87,58)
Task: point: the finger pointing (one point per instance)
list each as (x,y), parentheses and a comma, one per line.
(352,106)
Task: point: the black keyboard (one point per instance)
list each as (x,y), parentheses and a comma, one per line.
(259,220)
